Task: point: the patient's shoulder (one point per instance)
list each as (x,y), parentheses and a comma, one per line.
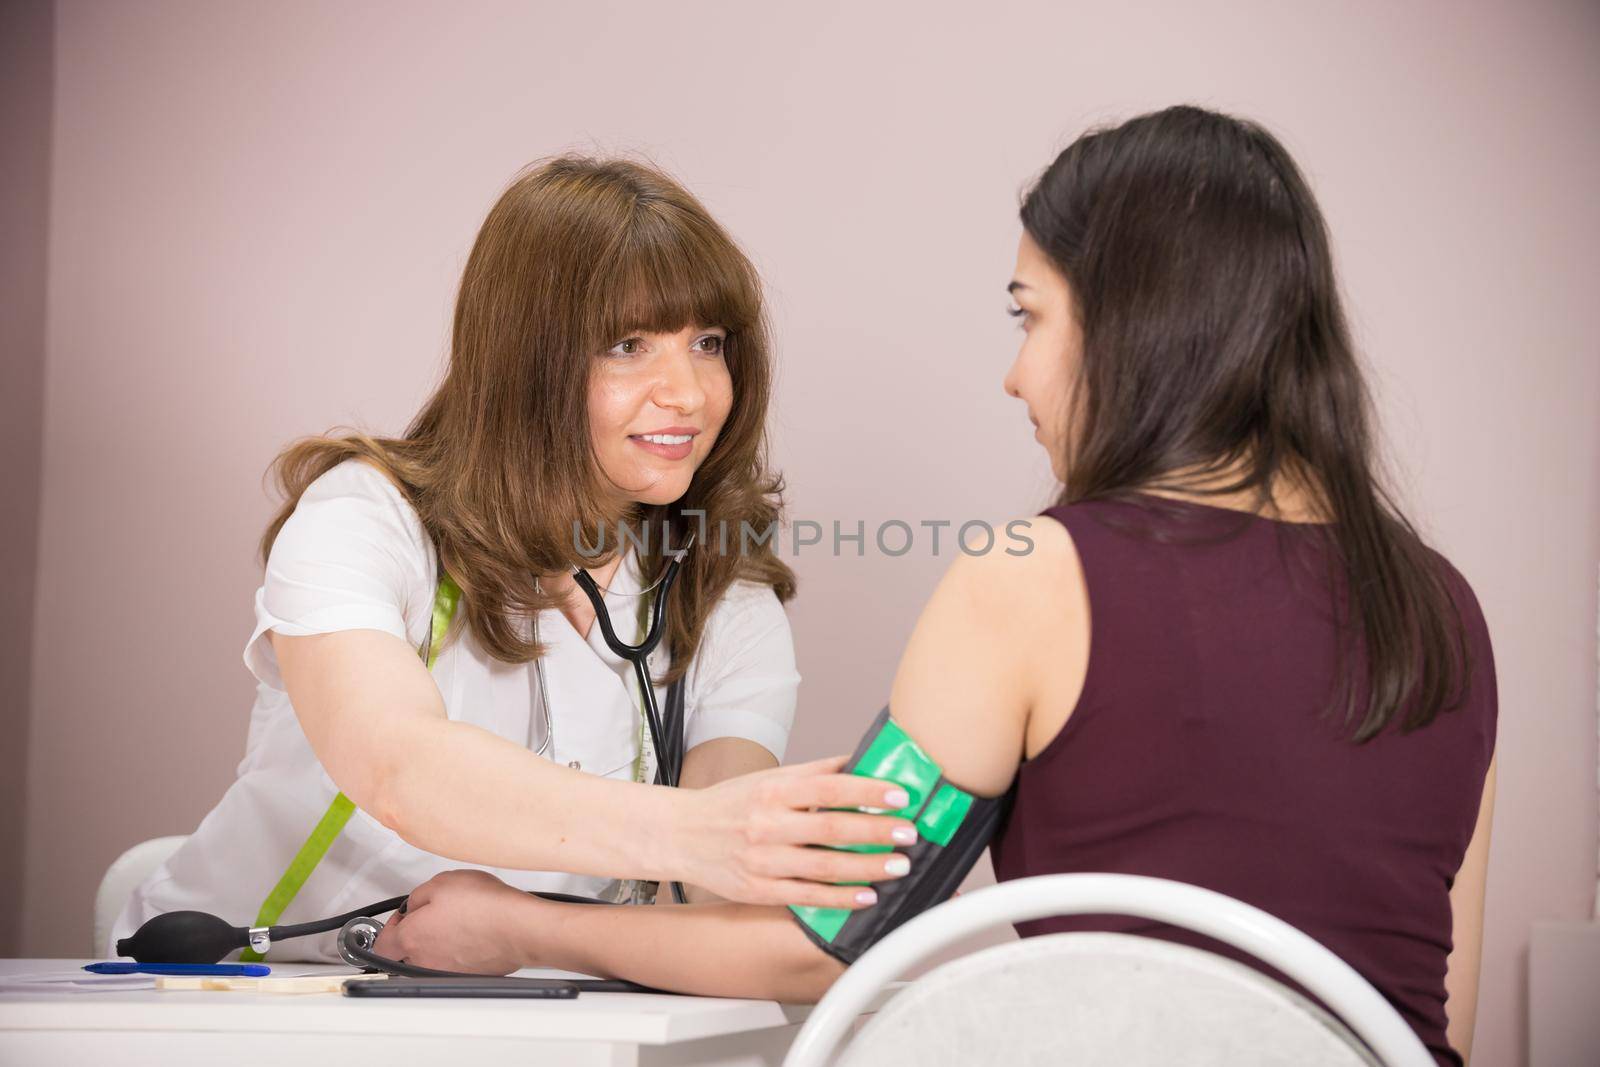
(1031,565)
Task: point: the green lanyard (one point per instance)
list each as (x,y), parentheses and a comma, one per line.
(332,822)
(328,828)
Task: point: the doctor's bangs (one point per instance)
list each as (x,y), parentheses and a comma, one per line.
(673,268)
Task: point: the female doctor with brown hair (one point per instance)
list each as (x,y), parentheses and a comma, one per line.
(609,367)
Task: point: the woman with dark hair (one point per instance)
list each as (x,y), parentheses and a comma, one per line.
(1229,659)
(434,687)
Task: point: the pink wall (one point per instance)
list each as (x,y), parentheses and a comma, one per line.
(25,85)
(258,215)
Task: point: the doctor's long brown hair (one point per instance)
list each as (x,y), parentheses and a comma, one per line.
(575,255)
(1214,342)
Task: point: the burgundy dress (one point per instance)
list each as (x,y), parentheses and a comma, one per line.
(1199,751)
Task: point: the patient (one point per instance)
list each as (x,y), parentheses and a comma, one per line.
(1228,660)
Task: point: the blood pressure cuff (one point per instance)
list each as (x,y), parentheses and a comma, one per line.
(954,827)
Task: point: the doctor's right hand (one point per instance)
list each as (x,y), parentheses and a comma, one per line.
(749,838)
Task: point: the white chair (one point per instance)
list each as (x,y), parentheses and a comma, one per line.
(124,874)
(1092,998)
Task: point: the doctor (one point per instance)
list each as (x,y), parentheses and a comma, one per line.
(609,366)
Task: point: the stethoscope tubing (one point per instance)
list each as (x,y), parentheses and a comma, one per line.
(321,926)
(639,656)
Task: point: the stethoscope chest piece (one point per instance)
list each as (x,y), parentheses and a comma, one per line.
(361,933)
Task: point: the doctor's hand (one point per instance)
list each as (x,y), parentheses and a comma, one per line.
(466,921)
(746,838)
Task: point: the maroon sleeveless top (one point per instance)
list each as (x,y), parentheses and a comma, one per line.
(1199,751)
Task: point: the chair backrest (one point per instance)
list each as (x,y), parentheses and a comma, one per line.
(1269,939)
(1101,998)
(124,874)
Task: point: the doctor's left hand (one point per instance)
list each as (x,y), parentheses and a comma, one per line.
(460,921)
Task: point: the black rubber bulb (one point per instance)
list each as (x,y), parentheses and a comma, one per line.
(183,937)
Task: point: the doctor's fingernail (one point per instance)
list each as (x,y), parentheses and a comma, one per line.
(896,865)
(897,798)
(866,896)
(904,835)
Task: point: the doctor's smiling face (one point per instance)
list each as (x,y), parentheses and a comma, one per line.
(1045,371)
(656,404)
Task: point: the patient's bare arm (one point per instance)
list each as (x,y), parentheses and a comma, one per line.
(471,921)
(717,950)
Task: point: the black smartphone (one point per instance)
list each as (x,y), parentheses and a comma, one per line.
(465,986)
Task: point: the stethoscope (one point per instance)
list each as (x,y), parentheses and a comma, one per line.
(200,937)
(669,757)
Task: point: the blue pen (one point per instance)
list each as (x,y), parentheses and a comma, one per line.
(227,970)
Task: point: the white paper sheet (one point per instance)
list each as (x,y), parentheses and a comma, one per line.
(76,981)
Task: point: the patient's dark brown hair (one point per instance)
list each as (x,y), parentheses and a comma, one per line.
(1214,341)
(577,254)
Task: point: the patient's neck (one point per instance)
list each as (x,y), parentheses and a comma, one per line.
(1291,496)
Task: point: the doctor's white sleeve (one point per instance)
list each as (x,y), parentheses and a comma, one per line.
(352,556)
(744,682)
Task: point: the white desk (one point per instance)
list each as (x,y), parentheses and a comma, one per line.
(134,1028)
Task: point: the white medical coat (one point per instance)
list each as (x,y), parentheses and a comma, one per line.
(354,555)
